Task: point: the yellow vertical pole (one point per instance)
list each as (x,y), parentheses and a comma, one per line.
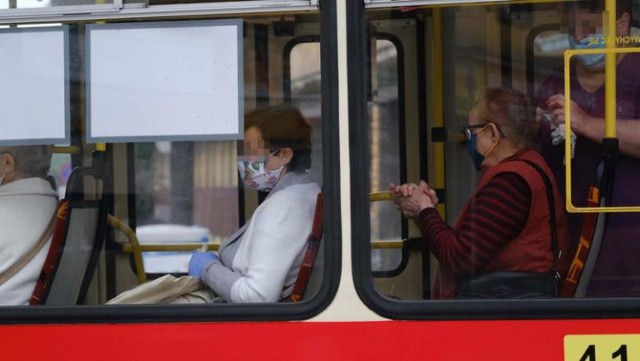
(438,179)
(609,23)
(567,145)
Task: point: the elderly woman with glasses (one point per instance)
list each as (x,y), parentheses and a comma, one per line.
(27,205)
(506,242)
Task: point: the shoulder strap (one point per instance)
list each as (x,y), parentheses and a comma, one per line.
(552,212)
(27,257)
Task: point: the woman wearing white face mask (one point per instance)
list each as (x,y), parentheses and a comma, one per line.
(260,261)
(27,205)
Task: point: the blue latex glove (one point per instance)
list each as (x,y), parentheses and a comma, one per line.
(198,262)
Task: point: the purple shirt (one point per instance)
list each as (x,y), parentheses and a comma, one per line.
(617,272)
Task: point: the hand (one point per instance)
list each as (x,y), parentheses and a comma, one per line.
(543,116)
(411,199)
(199,260)
(579,118)
(430,192)
(404,190)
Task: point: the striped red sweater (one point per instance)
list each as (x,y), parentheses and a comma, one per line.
(496,215)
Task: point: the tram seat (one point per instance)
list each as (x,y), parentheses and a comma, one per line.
(310,274)
(77,240)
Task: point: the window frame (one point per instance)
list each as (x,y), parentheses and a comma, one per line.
(431,309)
(118,10)
(236,312)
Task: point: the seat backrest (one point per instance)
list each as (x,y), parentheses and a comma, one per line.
(77,241)
(311,252)
(53,256)
(576,281)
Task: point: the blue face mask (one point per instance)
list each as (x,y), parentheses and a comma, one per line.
(593,41)
(476,157)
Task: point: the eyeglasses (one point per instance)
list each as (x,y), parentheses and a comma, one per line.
(467,131)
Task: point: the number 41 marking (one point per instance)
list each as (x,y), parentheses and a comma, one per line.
(590,353)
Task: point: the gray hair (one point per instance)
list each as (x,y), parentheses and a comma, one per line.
(513,112)
(31,160)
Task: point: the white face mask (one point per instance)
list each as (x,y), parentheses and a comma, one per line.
(255,174)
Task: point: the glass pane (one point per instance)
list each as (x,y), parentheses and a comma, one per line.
(190,192)
(169,213)
(515,52)
(164,2)
(60,170)
(305,93)
(27,4)
(171,198)
(385,153)
(611,272)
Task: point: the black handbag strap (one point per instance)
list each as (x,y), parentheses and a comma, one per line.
(552,215)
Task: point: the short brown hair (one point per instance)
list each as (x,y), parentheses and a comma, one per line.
(283,126)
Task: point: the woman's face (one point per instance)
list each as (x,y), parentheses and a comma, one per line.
(256,149)
(586,24)
(484,141)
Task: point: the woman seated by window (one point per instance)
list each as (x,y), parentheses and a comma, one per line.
(27,208)
(260,261)
(508,237)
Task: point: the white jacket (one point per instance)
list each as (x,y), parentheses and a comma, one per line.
(26,207)
(271,249)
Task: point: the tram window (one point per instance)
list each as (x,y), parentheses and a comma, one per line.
(6,4)
(610,273)
(272,2)
(189,191)
(172,193)
(60,170)
(304,70)
(547,53)
(186,192)
(27,4)
(462,50)
(386,152)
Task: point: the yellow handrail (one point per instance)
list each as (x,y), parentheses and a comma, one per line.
(134,245)
(74,149)
(182,247)
(380,196)
(389,244)
(438,180)
(609,123)
(136,248)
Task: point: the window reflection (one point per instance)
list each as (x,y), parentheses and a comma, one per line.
(385,154)
(513,46)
